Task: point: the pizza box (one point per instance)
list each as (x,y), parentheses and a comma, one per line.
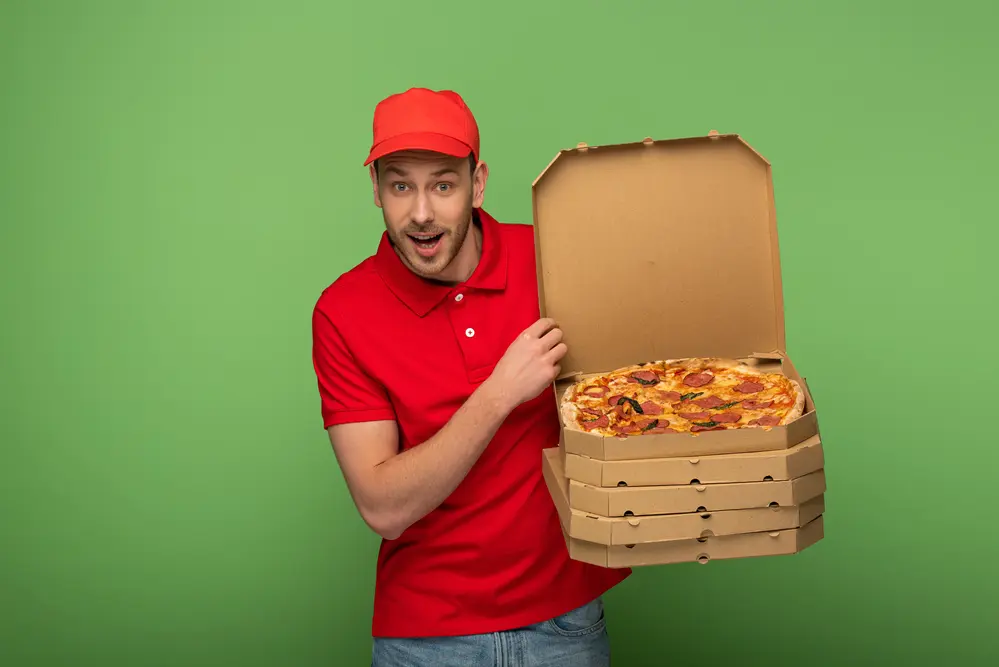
(700,498)
(611,531)
(746,545)
(664,249)
(701,548)
(781,465)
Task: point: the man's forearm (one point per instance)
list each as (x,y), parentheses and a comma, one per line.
(410,485)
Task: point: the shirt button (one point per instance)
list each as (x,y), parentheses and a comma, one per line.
(459,297)
(469,332)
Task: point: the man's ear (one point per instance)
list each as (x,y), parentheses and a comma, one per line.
(374,184)
(479,179)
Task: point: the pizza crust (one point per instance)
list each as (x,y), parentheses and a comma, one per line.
(798,408)
(570,411)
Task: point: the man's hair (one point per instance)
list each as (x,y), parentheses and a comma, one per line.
(472,164)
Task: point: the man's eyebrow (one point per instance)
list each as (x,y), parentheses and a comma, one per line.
(391,168)
(446,170)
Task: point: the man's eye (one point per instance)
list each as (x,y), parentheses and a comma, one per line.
(399,187)
(444,186)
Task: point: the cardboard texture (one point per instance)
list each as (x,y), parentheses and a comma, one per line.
(588,539)
(747,545)
(664,250)
(668,527)
(718,469)
(647,500)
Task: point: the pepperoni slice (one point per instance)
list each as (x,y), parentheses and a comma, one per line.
(726,417)
(603,422)
(749,387)
(670,396)
(612,400)
(644,377)
(642,423)
(757,405)
(660,429)
(709,402)
(591,411)
(595,391)
(766,420)
(697,429)
(651,408)
(692,416)
(698,379)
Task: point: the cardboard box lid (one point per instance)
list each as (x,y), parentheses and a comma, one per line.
(671,244)
(745,545)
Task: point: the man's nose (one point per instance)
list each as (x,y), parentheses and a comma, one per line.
(422,212)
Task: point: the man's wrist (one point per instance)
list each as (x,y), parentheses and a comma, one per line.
(494,399)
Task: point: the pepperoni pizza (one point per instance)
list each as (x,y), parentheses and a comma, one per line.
(681,396)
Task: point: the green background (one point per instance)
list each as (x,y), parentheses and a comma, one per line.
(179,180)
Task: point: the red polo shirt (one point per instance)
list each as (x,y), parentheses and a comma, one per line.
(390,345)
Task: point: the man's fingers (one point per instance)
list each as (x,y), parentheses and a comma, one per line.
(552,338)
(556,353)
(539,328)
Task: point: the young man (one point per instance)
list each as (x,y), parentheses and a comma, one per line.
(435,374)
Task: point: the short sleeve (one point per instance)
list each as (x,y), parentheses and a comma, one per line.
(346,392)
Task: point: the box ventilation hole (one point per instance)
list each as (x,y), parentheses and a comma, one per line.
(703,559)
(695,482)
(629,546)
(622,483)
(768,478)
(706,515)
(701,509)
(774,505)
(629,513)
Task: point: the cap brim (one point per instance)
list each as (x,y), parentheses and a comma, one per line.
(426,141)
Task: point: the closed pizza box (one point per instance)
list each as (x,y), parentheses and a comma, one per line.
(704,499)
(611,531)
(697,471)
(664,250)
(746,545)
(806,531)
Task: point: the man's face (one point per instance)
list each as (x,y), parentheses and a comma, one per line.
(427,200)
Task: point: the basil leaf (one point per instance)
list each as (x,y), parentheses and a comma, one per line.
(727,405)
(654,423)
(693,394)
(634,404)
(710,424)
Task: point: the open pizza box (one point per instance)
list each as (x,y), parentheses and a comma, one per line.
(637,541)
(664,250)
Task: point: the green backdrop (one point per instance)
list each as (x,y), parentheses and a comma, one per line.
(179,180)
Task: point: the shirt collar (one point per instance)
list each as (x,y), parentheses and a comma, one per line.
(422,295)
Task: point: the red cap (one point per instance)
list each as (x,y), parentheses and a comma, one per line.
(424,119)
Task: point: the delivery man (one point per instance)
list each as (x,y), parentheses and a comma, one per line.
(435,375)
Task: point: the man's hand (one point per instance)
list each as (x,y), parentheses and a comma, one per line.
(529,365)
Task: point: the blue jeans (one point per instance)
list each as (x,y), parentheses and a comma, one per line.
(574,639)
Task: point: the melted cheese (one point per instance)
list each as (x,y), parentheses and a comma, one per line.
(623,419)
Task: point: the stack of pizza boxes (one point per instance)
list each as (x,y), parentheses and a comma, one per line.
(659,250)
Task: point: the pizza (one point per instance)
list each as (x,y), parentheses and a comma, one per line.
(681,396)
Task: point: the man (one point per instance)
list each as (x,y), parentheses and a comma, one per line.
(435,374)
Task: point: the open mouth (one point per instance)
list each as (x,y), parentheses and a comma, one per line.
(426,244)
